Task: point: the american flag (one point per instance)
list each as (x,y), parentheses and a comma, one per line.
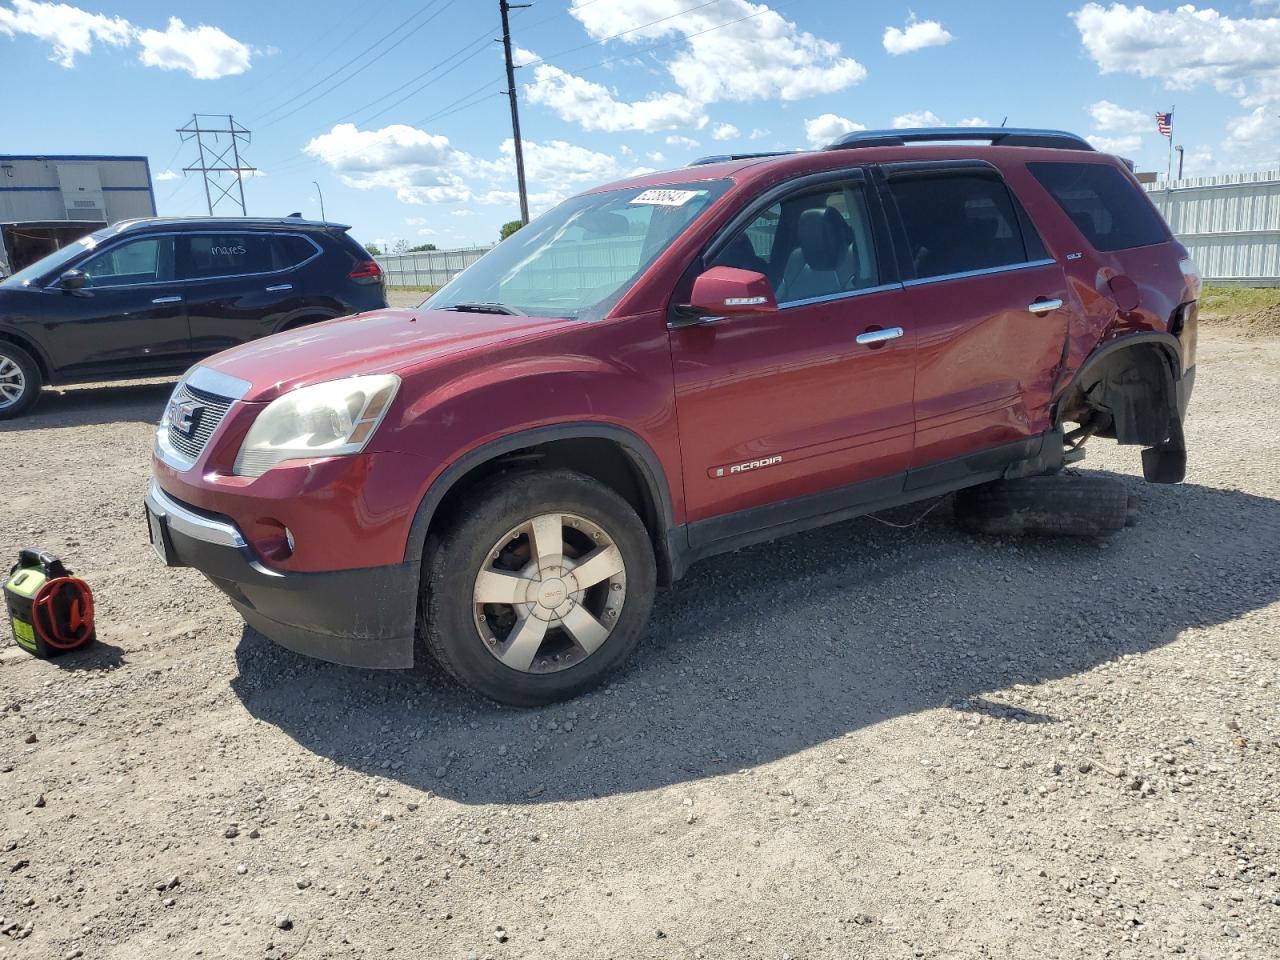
(1164,123)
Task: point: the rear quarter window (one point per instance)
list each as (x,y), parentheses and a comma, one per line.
(1103,203)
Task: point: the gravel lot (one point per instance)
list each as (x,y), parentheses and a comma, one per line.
(861,742)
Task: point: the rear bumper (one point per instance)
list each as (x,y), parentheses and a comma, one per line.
(362,617)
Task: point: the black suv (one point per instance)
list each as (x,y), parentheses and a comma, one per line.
(151,297)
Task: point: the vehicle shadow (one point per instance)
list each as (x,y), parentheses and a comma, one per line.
(94,404)
(762,653)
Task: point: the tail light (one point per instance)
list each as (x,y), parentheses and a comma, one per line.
(1190,274)
(366,271)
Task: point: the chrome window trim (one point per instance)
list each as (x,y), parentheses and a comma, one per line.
(194,525)
(841,295)
(965,274)
(217,382)
(319,250)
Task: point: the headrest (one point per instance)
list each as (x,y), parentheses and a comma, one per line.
(824,237)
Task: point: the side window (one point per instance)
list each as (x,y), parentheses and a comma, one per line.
(960,222)
(289,251)
(1103,203)
(145,260)
(816,243)
(207,255)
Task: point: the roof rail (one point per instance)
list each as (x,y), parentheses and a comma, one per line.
(724,157)
(997,136)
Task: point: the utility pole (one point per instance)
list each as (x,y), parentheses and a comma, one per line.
(318,191)
(503,6)
(214,159)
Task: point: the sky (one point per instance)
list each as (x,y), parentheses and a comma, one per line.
(396,108)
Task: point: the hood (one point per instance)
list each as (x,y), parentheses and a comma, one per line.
(380,341)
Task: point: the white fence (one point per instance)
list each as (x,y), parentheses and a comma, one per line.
(431,268)
(1229,223)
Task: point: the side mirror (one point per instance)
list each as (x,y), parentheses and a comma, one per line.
(73,280)
(728,292)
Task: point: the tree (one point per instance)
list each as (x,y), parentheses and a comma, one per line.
(422,248)
(374,249)
(509,228)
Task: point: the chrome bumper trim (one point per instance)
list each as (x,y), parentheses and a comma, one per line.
(192,524)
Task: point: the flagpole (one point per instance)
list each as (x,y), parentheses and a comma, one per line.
(1168,170)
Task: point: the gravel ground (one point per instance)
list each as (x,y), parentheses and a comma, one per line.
(865,741)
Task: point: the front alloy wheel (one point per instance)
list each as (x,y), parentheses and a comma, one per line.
(20,381)
(540,588)
(550,593)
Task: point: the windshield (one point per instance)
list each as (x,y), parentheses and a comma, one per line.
(578,259)
(55,261)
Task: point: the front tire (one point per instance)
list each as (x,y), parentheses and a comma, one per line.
(20,381)
(541,588)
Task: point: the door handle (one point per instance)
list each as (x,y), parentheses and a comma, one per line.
(167,300)
(872,337)
(1040,307)
(279,286)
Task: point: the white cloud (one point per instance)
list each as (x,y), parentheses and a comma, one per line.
(69,30)
(1111,118)
(167,175)
(724,131)
(420,167)
(204,52)
(918,35)
(522,57)
(594,106)
(824,129)
(734,50)
(676,140)
(758,133)
(557,161)
(918,118)
(657,157)
(462,212)
(973,122)
(1123,145)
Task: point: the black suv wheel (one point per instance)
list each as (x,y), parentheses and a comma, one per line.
(20,380)
(541,589)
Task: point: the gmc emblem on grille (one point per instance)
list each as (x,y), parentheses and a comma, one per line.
(183,415)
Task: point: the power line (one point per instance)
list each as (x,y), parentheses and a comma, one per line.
(328,76)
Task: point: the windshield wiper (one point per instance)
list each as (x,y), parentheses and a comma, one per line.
(466,307)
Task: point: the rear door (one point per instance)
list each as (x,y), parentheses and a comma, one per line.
(782,414)
(241,285)
(128,316)
(992,311)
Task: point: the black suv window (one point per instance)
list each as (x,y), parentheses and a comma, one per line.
(956,223)
(205,255)
(144,260)
(1109,210)
(814,244)
(291,250)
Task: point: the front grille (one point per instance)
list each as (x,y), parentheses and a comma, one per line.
(207,410)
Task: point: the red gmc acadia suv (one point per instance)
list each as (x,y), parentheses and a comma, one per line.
(670,367)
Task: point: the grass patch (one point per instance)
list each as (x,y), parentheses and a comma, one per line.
(426,289)
(1232,301)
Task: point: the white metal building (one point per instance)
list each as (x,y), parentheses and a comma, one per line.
(97,189)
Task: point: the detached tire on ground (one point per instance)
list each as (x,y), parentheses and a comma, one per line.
(540,589)
(1061,505)
(20,380)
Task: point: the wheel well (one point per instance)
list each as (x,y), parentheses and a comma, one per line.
(604,460)
(1128,393)
(29,347)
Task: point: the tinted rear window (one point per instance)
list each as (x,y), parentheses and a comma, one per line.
(1109,210)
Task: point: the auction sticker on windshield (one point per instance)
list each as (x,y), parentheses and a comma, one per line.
(667,198)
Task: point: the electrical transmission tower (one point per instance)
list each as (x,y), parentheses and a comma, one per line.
(221,165)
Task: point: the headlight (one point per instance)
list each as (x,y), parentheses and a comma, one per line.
(325,420)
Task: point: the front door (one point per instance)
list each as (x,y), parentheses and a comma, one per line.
(992,311)
(128,316)
(787,415)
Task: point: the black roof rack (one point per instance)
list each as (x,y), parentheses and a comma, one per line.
(997,136)
(725,157)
